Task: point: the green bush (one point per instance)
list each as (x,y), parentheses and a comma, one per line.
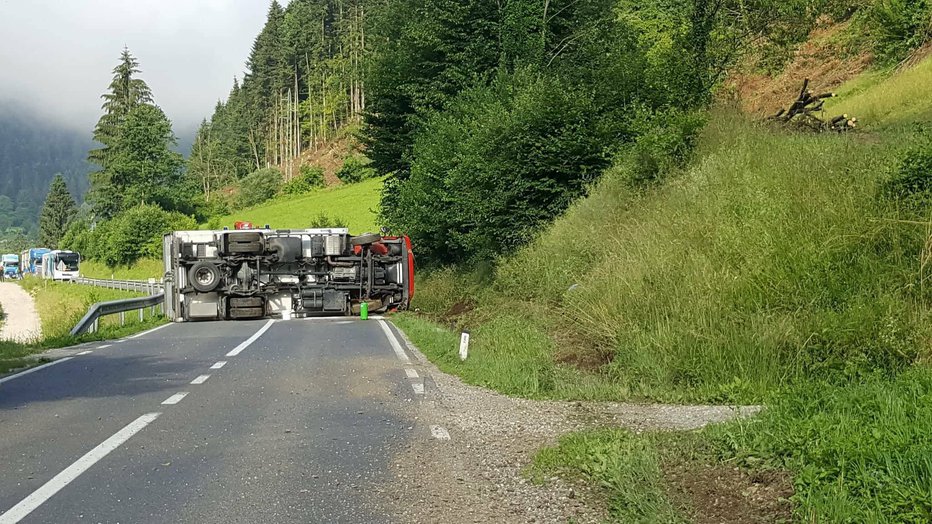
(258,187)
(356,168)
(309,179)
(899,26)
(133,234)
(665,140)
(325,220)
(911,182)
(499,163)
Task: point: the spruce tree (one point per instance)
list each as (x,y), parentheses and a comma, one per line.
(57,212)
(125,93)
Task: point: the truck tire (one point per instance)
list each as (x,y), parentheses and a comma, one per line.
(364,239)
(204,276)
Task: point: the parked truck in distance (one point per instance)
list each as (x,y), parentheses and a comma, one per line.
(60,265)
(30,261)
(258,273)
(10,266)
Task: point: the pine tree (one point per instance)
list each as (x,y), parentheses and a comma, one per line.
(125,93)
(56,214)
(143,168)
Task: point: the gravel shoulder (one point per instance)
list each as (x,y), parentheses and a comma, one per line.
(20,318)
(476,475)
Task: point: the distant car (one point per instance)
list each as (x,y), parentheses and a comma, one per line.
(257,273)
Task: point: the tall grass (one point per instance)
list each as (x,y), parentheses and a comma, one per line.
(769,260)
(142,269)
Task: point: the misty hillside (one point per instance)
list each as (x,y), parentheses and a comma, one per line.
(32,151)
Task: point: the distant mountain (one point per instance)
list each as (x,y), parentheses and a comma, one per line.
(32,151)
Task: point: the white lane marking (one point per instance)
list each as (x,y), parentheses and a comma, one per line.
(219,365)
(174,399)
(400,353)
(33,370)
(411,373)
(153,330)
(50,488)
(418,388)
(439,433)
(105,346)
(239,349)
(200,380)
(88,352)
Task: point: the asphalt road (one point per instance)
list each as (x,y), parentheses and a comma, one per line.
(225,422)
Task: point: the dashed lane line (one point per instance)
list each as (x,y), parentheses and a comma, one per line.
(411,373)
(105,346)
(200,380)
(239,349)
(219,365)
(174,399)
(418,388)
(81,354)
(50,488)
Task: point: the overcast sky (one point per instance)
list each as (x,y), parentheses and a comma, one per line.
(57,55)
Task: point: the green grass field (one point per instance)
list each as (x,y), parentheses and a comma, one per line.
(768,271)
(141,270)
(356,205)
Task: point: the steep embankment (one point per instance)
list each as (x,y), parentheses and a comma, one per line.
(775,268)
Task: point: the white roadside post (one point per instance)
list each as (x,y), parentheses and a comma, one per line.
(464,345)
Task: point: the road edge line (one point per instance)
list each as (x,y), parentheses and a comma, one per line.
(34,369)
(72,472)
(239,349)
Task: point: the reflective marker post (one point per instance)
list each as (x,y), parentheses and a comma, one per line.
(464,345)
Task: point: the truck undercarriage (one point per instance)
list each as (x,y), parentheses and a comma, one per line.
(258,273)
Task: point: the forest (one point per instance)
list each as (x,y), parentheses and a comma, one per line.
(485,119)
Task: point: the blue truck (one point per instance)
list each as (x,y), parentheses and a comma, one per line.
(10,266)
(31,260)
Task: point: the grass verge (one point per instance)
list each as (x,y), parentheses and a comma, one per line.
(141,270)
(60,307)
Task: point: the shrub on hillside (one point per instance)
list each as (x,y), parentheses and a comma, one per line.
(325,220)
(499,163)
(133,234)
(910,185)
(308,179)
(356,168)
(258,187)
(899,26)
(665,140)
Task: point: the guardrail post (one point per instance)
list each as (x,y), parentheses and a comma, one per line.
(142,312)
(122,318)
(95,325)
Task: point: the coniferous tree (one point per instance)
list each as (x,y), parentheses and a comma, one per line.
(57,212)
(125,93)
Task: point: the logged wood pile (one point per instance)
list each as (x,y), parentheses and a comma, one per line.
(807,112)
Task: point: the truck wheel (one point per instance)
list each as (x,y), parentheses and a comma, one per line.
(364,239)
(204,276)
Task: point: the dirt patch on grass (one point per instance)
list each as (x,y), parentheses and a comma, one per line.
(822,58)
(330,157)
(715,494)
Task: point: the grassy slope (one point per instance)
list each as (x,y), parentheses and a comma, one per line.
(355,204)
(765,263)
(60,306)
(141,270)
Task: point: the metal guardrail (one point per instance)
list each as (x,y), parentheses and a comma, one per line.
(90,321)
(151,286)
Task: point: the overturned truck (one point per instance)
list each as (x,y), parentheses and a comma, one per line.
(259,273)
